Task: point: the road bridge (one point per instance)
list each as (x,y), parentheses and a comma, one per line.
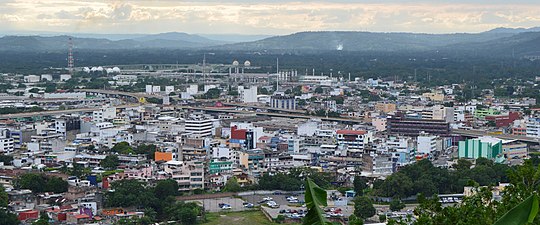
(480,133)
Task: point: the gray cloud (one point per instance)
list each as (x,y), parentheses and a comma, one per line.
(266,16)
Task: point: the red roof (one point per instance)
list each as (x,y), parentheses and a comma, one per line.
(82,216)
(351,132)
(264,138)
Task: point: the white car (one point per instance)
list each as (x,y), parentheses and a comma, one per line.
(291,198)
(268,199)
(272,204)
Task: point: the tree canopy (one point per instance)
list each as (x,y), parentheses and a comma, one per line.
(39,183)
(423,177)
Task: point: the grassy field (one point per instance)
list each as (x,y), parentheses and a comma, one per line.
(246,217)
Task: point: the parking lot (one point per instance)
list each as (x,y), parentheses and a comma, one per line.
(212,205)
(274,212)
(279,199)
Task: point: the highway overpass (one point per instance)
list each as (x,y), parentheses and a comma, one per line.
(55,112)
(479,133)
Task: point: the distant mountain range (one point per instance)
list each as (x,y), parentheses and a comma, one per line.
(499,40)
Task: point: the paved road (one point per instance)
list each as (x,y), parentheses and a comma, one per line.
(55,112)
(478,133)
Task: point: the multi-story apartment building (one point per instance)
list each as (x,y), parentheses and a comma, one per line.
(199,125)
(7,143)
(188,174)
(399,125)
(533,127)
(353,139)
(283,102)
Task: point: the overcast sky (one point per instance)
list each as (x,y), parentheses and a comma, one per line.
(265,16)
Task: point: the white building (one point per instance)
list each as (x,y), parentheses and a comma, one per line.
(199,125)
(65,77)
(208,87)
(427,144)
(248,95)
(156,89)
(148,89)
(439,113)
(32,79)
(192,89)
(47,77)
(103,114)
(355,140)
(189,175)
(379,123)
(7,143)
(222,152)
(169,89)
(533,127)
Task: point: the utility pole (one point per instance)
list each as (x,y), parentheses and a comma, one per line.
(204,68)
(277,74)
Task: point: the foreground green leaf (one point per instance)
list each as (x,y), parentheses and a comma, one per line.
(315,198)
(522,214)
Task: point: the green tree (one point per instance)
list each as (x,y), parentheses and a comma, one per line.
(110,162)
(123,148)
(279,219)
(354,220)
(363,207)
(319,90)
(262,91)
(56,185)
(212,93)
(4,199)
(166,188)
(186,213)
(397,185)
(396,205)
(128,193)
(7,218)
(6,159)
(232,185)
(462,165)
(33,181)
(43,219)
(147,150)
(360,184)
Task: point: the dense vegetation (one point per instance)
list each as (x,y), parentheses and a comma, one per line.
(39,183)
(423,177)
(158,202)
(442,67)
(6,217)
(294,180)
(10,110)
(125,148)
(480,209)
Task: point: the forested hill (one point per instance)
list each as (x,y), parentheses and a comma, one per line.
(364,41)
(498,41)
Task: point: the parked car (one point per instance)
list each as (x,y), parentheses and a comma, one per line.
(272,204)
(224,206)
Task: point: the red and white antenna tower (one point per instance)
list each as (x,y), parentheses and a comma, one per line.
(70,55)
